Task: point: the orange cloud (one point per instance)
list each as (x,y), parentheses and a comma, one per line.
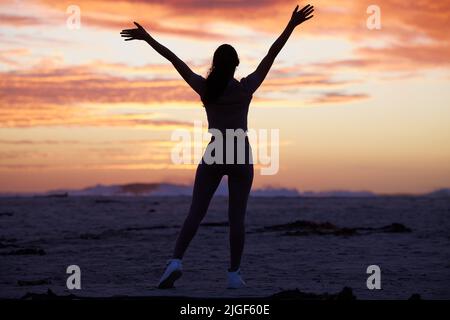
(53,97)
(79,84)
(415,33)
(49,96)
(6,56)
(402,18)
(405,56)
(51,116)
(338,97)
(403,23)
(19,142)
(19,20)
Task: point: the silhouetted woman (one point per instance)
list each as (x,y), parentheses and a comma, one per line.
(226,101)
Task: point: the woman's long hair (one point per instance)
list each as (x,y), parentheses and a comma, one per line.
(224,64)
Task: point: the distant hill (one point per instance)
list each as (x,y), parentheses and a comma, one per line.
(444,192)
(339,193)
(171,189)
(165,189)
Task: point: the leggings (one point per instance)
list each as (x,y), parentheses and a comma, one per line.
(207,179)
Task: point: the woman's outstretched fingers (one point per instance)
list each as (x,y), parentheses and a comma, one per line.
(138,33)
(298,17)
(308,11)
(305,8)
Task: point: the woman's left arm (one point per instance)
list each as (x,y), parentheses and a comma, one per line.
(141,34)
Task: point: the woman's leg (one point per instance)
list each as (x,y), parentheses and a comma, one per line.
(207,179)
(240,179)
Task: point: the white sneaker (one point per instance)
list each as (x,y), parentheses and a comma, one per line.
(235,280)
(173,272)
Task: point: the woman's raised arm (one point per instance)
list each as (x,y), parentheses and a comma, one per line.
(298,17)
(140,33)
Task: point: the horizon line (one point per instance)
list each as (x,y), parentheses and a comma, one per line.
(263,188)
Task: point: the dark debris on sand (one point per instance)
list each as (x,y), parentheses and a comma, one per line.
(25,251)
(306,228)
(215,224)
(6,214)
(120,232)
(7,243)
(107,201)
(345,294)
(28,283)
(54,195)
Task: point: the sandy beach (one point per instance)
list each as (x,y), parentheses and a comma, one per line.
(316,245)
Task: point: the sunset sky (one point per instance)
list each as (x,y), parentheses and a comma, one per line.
(357,109)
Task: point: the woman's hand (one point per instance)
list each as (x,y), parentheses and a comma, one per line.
(298,17)
(135,34)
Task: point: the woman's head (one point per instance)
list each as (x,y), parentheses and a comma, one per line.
(224,65)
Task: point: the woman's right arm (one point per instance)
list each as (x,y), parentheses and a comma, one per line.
(139,33)
(298,17)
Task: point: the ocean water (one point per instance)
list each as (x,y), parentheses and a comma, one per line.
(121,245)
